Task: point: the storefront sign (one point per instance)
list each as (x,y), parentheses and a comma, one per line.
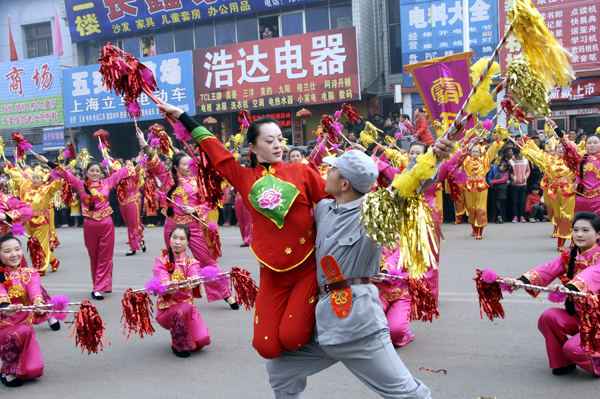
(312,68)
(93,19)
(584,111)
(573,23)
(87,102)
(432,29)
(31,93)
(53,138)
(578,90)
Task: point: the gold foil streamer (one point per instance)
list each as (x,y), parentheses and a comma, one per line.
(85,158)
(529,90)
(381,216)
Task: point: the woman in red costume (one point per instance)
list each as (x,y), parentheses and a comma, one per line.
(279,198)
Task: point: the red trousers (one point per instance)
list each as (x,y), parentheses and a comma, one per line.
(284,315)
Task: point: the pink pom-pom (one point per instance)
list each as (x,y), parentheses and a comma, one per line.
(488,125)
(24,145)
(338,114)
(26,176)
(337,126)
(245,123)
(18,229)
(319,139)
(58,315)
(101,146)
(105,163)
(489,276)
(192,166)
(143,162)
(506,288)
(398,136)
(155,287)
(59,302)
(67,154)
(134,110)
(147,76)
(213,226)
(556,297)
(181,132)
(54,175)
(150,136)
(321,148)
(209,273)
(335,146)
(154,143)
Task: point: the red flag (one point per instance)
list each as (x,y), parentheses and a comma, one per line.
(13,49)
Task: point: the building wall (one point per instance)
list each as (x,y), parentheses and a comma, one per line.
(364,15)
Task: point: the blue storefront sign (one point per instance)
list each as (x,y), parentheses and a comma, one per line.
(87,102)
(53,138)
(432,29)
(93,19)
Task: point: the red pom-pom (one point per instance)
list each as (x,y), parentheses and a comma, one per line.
(455,191)
(350,113)
(422,301)
(150,190)
(72,152)
(36,252)
(215,243)
(137,312)
(489,297)
(245,287)
(122,192)
(89,328)
(327,123)
(66,193)
(589,322)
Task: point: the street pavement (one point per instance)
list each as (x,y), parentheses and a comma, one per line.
(505,359)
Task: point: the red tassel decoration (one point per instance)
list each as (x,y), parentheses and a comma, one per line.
(165,143)
(21,145)
(422,301)
(455,191)
(137,312)
(244,118)
(350,113)
(589,322)
(38,257)
(490,296)
(209,180)
(382,181)
(89,328)
(66,193)
(327,123)
(245,287)
(571,161)
(72,151)
(150,188)
(215,243)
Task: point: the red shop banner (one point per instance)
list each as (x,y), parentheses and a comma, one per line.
(578,90)
(299,70)
(572,22)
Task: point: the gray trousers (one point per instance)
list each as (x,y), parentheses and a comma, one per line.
(371,359)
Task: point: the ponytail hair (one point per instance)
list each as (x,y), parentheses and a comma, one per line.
(175,161)
(254,132)
(92,205)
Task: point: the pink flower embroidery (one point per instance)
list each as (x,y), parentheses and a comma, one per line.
(269,199)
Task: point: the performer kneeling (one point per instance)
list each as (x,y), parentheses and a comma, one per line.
(176,311)
(579,269)
(19,286)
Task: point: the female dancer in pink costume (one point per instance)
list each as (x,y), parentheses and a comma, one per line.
(19,286)
(130,201)
(176,311)
(244,220)
(579,270)
(184,192)
(98,229)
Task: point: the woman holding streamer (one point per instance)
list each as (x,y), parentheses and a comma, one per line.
(279,198)
(98,229)
(176,311)
(578,271)
(129,197)
(19,286)
(187,206)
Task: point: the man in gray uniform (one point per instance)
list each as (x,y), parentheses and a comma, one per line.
(359,338)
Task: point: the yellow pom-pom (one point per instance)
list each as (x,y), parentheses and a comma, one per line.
(408,182)
(227,145)
(598,130)
(482,102)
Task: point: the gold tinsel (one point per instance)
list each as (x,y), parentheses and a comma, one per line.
(84,158)
(61,155)
(1,145)
(12,187)
(501,132)
(529,90)
(398,158)
(369,135)
(439,128)
(549,60)
(381,215)
(408,182)
(482,101)
(57,200)
(418,236)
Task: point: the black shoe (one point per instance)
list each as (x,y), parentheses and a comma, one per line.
(233,306)
(55,326)
(181,354)
(244,245)
(131,253)
(143,246)
(96,295)
(17,382)
(564,370)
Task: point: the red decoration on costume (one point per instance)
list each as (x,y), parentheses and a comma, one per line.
(489,297)
(245,287)
(422,301)
(88,199)
(7,285)
(88,183)
(165,252)
(66,193)
(122,190)
(89,328)
(150,189)
(350,113)
(38,257)
(170,266)
(341,299)
(589,322)
(138,313)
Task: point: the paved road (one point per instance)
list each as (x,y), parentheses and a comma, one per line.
(505,359)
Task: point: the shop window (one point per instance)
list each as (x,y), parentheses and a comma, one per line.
(148,46)
(292,24)
(164,43)
(586,124)
(39,40)
(132,46)
(90,53)
(393,12)
(225,33)
(317,19)
(341,16)
(560,122)
(247,30)
(205,36)
(184,40)
(268,27)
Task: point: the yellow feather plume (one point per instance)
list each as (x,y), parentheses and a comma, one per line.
(549,60)
(482,102)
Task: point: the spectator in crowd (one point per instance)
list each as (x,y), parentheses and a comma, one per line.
(581,137)
(377,121)
(572,135)
(534,207)
(296,155)
(404,125)
(352,137)
(358,127)
(267,34)
(389,129)
(422,133)
(518,184)
(499,185)
(227,206)
(536,140)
